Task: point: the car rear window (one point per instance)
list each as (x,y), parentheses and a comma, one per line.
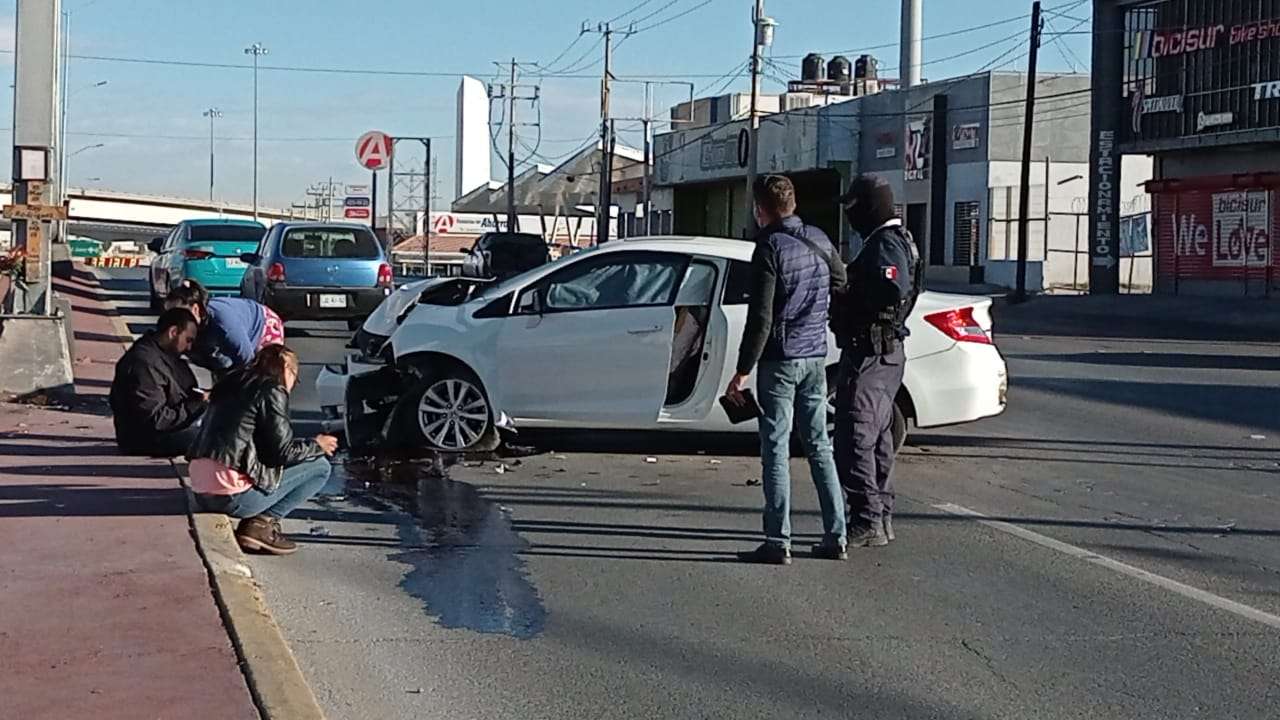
(737,287)
(330,243)
(520,240)
(226,233)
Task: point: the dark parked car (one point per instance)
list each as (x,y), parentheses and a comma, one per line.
(318,271)
(500,255)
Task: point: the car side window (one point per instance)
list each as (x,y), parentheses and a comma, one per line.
(171,240)
(737,285)
(698,287)
(615,280)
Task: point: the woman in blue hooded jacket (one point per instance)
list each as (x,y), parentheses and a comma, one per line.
(232,330)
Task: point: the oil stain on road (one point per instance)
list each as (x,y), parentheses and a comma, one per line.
(464,558)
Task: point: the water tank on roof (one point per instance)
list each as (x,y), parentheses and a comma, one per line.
(839,69)
(866,68)
(813,68)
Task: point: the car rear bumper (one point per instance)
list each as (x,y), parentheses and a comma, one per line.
(304,303)
(967,382)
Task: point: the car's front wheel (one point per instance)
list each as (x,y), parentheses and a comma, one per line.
(447,411)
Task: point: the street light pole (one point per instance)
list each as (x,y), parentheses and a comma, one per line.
(66,164)
(257,50)
(212,113)
(761,38)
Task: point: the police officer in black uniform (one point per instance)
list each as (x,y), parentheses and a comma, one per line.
(869,322)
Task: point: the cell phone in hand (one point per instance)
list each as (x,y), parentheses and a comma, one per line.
(741,407)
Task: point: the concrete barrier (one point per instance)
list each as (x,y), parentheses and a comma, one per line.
(35,358)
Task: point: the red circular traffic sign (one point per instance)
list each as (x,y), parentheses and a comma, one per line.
(373,150)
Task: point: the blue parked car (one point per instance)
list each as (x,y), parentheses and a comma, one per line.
(207,251)
(318,271)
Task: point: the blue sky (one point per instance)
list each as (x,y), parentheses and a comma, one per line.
(148,116)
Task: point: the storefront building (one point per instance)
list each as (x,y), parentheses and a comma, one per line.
(1195,84)
(951,150)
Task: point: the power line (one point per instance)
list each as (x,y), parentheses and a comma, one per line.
(655,13)
(563,52)
(1068,6)
(616,18)
(675,17)
(571,67)
(347,71)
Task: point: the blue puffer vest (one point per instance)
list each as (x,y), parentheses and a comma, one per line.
(804,292)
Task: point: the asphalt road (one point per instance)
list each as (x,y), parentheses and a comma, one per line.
(1128,566)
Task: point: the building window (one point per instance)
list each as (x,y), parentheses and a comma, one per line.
(1002,227)
(967,235)
(1139,66)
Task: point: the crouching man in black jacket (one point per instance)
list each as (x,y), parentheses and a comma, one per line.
(245,462)
(154,398)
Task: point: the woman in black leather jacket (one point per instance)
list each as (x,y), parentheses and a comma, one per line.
(245,461)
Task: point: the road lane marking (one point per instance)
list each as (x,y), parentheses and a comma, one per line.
(1194,593)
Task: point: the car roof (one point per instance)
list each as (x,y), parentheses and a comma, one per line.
(314,225)
(693,244)
(224,221)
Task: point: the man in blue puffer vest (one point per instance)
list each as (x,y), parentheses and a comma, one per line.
(794,269)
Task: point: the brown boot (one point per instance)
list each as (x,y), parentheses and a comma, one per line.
(262,534)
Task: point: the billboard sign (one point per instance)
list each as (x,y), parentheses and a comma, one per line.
(964,137)
(1214,234)
(918,150)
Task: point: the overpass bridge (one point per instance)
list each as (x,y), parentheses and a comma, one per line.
(109,216)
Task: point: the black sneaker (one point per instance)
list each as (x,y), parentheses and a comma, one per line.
(867,536)
(886,521)
(767,554)
(830,551)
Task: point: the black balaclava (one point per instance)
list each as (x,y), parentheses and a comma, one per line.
(868,203)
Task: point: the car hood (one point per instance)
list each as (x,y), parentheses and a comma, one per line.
(384,319)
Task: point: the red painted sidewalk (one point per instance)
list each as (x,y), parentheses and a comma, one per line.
(105,606)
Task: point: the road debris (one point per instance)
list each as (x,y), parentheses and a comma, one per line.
(651,460)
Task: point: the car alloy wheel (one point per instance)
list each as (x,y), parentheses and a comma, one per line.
(453,414)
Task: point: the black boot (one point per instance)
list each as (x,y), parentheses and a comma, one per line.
(767,554)
(871,535)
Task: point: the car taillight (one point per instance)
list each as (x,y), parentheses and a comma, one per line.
(384,275)
(276,273)
(197,254)
(959,325)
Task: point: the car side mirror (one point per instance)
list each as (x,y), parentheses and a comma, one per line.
(156,245)
(531,303)
(250,258)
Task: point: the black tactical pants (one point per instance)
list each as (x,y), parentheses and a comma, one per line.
(865,392)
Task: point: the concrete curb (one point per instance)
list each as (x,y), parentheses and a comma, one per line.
(275,681)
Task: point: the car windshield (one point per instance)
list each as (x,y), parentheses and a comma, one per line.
(497,289)
(226,233)
(330,243)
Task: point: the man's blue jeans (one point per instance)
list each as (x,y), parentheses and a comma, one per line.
(297,485)
(795,392)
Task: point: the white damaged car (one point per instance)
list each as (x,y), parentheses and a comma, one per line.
(632,335)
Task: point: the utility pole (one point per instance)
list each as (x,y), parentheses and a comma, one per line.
(1024,190)
(648,156)
(257,50)
(761,38)
(510,94)
(604,197)
(211,113)
(512,220)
